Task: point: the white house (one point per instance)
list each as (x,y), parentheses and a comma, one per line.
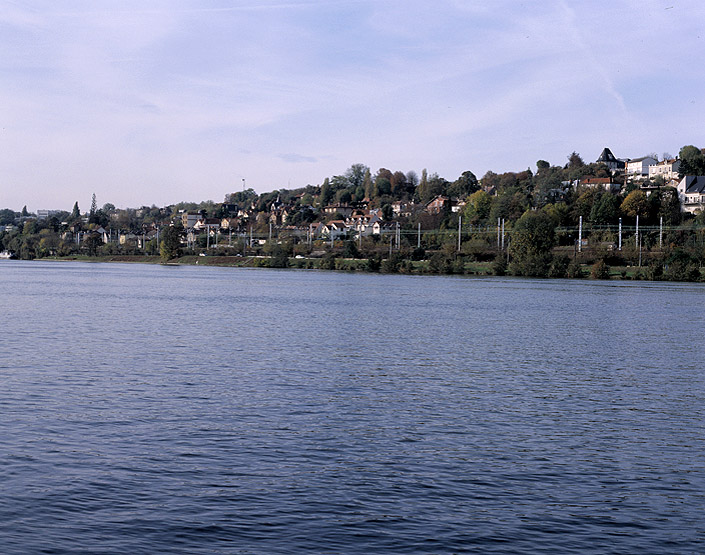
(691,192)
(334,229)
(605,183)
(639,167)
(668,169)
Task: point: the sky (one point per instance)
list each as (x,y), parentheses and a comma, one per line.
(151,102)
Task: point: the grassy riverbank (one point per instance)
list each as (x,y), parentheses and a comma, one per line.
(401,266)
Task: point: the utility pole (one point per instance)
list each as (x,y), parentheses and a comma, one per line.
(660,234)
(418,238)
(502,233)
(498,236)
(580,235)
(620,234)
(460,227)
(637,231)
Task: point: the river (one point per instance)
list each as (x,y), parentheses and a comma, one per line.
(162,409)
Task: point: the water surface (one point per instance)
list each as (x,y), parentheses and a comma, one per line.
(153,409)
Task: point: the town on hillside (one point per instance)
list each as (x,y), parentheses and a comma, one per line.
(549,221)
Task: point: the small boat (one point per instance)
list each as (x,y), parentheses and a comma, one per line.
(6,255)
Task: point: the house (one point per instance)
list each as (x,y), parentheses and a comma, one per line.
(208,224)
(605,183)
(127,238)
(668,169)
(45,214)
(361,222)
(691,193)
(609,160)
(343,209)
(385,228)
(639,167)
(334,229)
(189,219)
(315,229)
(437,205)
(229,223)
(403,209)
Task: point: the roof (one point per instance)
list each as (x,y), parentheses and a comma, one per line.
(640,159)
(607,156)
(595,181)
(694,184)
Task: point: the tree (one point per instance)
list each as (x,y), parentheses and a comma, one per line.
(465,185)
(92,215)
(368,184)
(398,183)
(542,165)
(24,211)
(575,161)
(356,175)
(326,193)
(692,161)
(605,209)
(75,213)
(93,242)
(532,239)
(170,246)
(670,206)
(7,216)
(422,187)
(477,207)
(636,204)
(383,181)
(412,179)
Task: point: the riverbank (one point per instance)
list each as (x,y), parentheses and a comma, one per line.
(390,266)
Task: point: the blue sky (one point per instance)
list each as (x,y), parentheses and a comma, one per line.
(155,102)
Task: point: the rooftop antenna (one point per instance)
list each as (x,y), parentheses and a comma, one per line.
(243,184)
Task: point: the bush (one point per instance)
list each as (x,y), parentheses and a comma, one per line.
(327,262)
(391,265)
(559,267)
(574,270)
(373,264)
(600,270)
(279,259)
(532,265)
(499,266)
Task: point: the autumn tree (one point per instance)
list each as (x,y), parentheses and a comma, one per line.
(636,204)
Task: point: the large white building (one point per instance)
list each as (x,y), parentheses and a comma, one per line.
(668,169)
(639,167)
(691,192)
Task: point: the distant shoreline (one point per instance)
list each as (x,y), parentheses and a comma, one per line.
(482,269)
